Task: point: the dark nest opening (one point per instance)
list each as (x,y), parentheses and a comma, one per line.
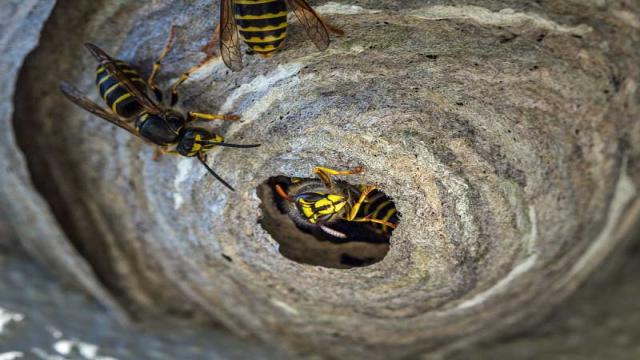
(340,243)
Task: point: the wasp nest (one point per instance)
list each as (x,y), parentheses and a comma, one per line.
(507,136)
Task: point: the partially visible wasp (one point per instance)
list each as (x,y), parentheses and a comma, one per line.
(125,93)
(262,25)
(336,210)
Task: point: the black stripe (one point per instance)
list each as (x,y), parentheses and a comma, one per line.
(260,23)
(263,34)
(375,202)
(101,76)
(263,44)
(129,108)
(106,86)
(115,94)
(260,9)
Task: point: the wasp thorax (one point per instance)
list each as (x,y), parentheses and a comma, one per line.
(326,221)
(162,129)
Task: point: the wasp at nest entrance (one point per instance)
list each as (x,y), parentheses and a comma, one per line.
(328,221)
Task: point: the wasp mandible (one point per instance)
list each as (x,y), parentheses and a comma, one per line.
(130,108)
(262,25)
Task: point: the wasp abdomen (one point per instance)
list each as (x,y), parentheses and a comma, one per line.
(262,23)
(380,207)
(115,95)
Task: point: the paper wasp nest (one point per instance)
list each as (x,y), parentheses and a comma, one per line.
(506,132)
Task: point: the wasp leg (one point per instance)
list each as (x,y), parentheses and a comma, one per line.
(209,117)
(159,151)
(184,77)
(325,173)
(356,207)
(211,49)
(376,221)
(158,64)
(331,28)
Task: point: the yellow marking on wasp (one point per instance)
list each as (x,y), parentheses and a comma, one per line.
(389,215)
(328,205)
(100,70)
(137,79)
(266,28)
(356,207)
(130,71)
(261,17)
(104,79)
(268,48)
(253,2)
(217,139)
(256,39)
(118,101)
(379,208)
(308,213)
(110,90)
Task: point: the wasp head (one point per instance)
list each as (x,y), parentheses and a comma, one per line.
(194,141)
(319,207)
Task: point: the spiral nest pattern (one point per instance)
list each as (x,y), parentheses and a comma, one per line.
(502,148)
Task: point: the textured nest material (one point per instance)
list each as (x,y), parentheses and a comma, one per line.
(506,135)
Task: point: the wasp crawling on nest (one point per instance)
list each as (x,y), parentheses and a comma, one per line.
(262,25)
(130,108)
(335,210)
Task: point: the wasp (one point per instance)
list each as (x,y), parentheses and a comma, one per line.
(130,108)
(262,25)
(335,210)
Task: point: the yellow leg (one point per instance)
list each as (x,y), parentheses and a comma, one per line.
(325,173)
(159,151)
(210,117)
(377,221)
(356,207)
(184,77)
(158,63)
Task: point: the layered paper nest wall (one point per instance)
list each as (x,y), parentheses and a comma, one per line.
(506,132)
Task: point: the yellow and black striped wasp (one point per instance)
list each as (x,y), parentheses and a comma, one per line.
(335,210)
(262,25)
(131,109)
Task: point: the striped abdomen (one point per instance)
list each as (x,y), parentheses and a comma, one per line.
(115,95)
(262,23)
(379,206)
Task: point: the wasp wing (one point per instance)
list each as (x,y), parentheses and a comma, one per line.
(79,99)
(229,38)
(109,64)
(313,24)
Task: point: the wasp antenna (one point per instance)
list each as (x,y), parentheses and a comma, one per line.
(238,145)
(280,191)
(214,174)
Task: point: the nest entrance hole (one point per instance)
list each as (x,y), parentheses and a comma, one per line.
(366,243)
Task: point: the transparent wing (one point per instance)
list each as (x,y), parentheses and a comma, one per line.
(229,38)
(110,65)
(313,24)
(79,99)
